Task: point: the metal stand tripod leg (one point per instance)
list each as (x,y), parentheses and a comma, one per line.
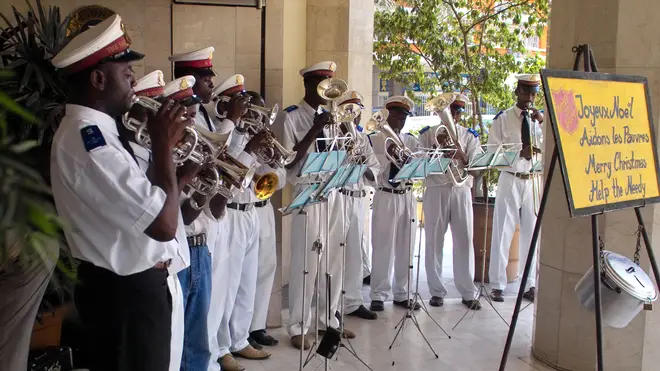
(410,308)
(483,293)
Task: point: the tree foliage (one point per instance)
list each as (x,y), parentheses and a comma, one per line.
(465,45)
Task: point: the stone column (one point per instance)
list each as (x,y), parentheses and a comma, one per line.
(620,33)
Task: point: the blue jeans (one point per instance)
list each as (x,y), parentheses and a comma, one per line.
(196,285)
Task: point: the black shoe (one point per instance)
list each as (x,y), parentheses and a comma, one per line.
(366,280)
(472,304)
(363,313)
(377,305)
(497,295)
(530,294)
(407,304)
(436,301)
(262,338)
(254,343)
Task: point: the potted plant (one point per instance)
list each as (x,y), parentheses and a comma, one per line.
(32,98)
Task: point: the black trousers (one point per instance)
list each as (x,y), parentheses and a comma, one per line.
(127,319)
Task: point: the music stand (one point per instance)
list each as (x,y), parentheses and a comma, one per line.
(419,168)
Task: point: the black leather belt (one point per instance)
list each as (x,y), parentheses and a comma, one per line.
(261,203)
(395,191)
(240,207)
(198,240)
(356,194)
(523,176)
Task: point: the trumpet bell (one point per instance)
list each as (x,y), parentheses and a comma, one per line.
(377,120)
(332,89)
(265,186)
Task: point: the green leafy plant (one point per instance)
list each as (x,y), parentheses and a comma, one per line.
(465,45)
(31,105)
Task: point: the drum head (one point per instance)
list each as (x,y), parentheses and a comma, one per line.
(629,276)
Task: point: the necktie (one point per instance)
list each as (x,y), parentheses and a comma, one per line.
(123,138)
(393,172)
(524,130)
(320,144)
(206,117)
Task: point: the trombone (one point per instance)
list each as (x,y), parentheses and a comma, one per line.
(536,154)
(402,154)
(440,105)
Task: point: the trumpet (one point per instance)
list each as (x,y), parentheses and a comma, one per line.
(378,122)
(440,105)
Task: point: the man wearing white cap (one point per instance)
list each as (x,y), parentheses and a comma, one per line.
(302,127)
(123,226)
(514,202)
(352,201)
(393,203)
(239,233)
(448,204)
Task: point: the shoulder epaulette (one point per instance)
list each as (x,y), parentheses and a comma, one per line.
(473,132)
(412,135)
(498,115)
(425,129)
(291,108)
(359,128)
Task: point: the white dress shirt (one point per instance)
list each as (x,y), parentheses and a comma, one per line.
(182,260)
(469,143)
(377,141)
(506,129)
(103,196)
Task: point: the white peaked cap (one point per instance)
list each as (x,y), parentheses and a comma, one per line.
(326,69)
(151,85)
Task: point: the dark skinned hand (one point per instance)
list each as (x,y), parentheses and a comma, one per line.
(187,172)
(321,120)
(237,107)
(259,140)
(537,115)
(167,126)
(526,153)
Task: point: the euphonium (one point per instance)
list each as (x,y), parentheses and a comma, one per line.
(331,90)
(378,122)
(440,105)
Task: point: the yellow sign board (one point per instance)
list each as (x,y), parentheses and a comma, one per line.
(605,138)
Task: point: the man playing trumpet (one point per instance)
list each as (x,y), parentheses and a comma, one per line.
(515,202)
(450,205)
(239,233)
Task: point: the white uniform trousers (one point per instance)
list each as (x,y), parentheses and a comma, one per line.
(514,204)
(266,267)
(316,226)
(176,344)
(242,228)
(392,237)
(219,247)
(366,236)
(353,210)
(448,206)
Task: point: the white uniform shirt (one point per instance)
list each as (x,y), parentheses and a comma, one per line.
(181,261)
(371,162)
(199,225)
(506,129)
(469,143)
(103,196)
(297,121)
(377,141)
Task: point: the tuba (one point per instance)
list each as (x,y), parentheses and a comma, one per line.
(378,122)
(440,105)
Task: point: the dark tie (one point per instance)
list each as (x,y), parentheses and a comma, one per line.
(524,130)
(206,117)
(320,144)
(123,138)
(393,172)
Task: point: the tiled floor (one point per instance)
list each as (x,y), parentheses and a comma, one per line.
(476,343)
